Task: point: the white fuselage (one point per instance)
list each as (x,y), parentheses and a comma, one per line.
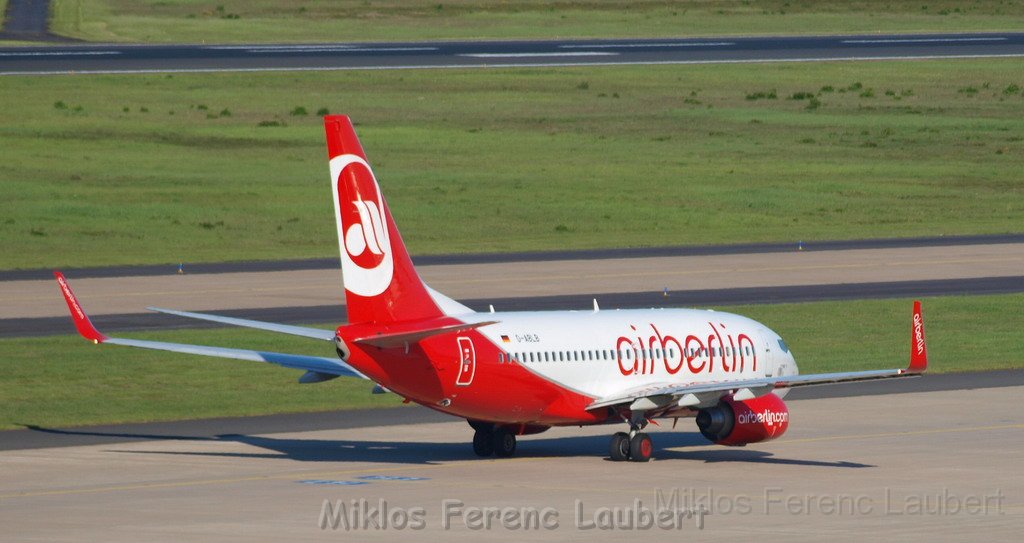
(600,353)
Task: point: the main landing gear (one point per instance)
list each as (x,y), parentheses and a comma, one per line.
(636,445)
(491,440)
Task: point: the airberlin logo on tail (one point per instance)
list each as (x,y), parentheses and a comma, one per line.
(919,333)
(366,257)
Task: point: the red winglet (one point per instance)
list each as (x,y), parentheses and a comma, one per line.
(918,349)
(81,320)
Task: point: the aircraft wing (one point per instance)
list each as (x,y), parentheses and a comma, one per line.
(705,394)
(321,367)
(683,395)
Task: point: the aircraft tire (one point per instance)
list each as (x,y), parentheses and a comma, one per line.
(618,450)
(483,443)
(504,443)
(640,448)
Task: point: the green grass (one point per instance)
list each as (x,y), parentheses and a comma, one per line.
(226,21)
(63,380)
(112,169)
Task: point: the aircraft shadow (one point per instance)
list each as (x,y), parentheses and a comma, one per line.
(405,452)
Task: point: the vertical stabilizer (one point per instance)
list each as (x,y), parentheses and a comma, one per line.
(381,284)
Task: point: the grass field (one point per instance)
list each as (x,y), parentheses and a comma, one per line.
(197,21)
(166,168)
(63,380)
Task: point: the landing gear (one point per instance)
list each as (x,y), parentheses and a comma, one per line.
(489,440)
(619,449)
(483,443)
(504,443)
(635,445)
(640,448)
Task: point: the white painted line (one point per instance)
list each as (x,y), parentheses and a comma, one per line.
(925,40)
(253,46)
(509,65)
(529,55)
(335,49)
(629,45)
(313,48)
(57,53)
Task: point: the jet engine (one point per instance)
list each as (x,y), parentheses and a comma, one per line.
(738,422)
(341,348)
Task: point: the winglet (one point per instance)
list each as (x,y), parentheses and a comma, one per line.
(918,349)
(82,322)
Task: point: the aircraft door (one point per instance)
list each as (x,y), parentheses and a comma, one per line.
(768,365)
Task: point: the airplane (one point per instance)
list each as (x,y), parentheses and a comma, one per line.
(511,374)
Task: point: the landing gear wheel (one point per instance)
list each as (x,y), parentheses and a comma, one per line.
(504,443)
(619,448)
(483,443)
(640,447)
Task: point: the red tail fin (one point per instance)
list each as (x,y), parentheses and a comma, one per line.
(381,284)
(918,349)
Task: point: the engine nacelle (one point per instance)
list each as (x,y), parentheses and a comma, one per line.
(738,422)
(342,349)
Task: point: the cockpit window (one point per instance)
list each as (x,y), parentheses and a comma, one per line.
(782,345)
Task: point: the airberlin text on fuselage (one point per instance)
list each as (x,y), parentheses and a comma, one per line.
(696,353)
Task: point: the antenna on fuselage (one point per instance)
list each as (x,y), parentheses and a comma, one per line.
(596,309)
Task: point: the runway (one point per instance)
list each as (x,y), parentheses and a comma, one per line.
(477,54)
(34,306)
(915,468)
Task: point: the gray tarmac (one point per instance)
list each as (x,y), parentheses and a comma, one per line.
(33,298)
(118,58)
(936,466)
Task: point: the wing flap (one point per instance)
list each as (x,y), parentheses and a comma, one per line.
(316,364)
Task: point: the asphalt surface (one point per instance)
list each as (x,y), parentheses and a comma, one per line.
(525,256)
(32,307)
(475,54)
(895,467)
(122,322)
(28,20)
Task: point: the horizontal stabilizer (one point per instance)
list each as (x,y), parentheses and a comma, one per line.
(402,339)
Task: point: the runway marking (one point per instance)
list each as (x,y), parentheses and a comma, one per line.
(510,65)
(331,482)
(628,45)
(232,480)
(57,53)
(335,49)
(455,464)
(528,55)
(925,40)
